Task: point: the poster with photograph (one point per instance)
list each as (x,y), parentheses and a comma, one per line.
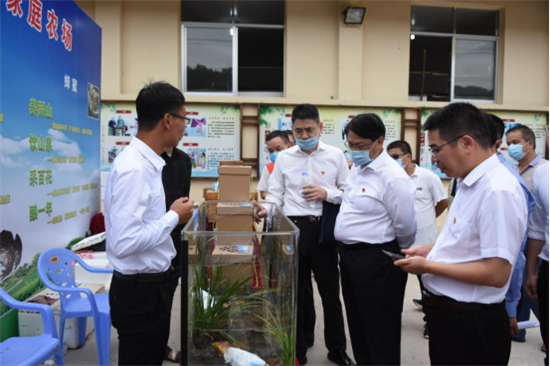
(534,120)
(334,121)
(212,135)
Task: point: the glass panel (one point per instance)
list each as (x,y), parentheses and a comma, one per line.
(475,69)
(477,22)
(431,19)
(260,12)
(261,59)
(206,11)
(430,67)
(209,60)
(242,284)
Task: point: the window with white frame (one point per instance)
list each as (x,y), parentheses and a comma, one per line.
(453,54)
(233,47)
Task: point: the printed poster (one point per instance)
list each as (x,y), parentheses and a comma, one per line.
(534,120)
(49,137)
(212,135)
(334,121)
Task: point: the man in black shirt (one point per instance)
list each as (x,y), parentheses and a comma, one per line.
(176,179)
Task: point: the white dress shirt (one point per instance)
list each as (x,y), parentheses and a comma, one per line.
(263,184)
(327,168)
(137,225)
(538,226)
(488,219)
(429,191)
(378,205)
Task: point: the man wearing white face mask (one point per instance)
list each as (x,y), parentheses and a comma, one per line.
(304,176)
(521,147)
(377,214)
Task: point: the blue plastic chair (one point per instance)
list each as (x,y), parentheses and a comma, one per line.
(22,351)
(56,272)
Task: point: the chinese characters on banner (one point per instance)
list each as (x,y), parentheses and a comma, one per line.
(49,136)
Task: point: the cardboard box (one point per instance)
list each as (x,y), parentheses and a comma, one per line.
(236,261)
(232,223)
(234,183)
(225,209)
(193,254)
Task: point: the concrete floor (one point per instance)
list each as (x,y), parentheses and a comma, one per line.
(414,349)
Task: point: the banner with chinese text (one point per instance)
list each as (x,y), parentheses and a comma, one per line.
(50,76)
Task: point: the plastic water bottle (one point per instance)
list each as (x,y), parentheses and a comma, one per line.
(306,181)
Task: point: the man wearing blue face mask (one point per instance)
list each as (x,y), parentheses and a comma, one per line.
(305,176)
(277,141)
(377,214)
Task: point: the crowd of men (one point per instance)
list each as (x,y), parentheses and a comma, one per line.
(488,264)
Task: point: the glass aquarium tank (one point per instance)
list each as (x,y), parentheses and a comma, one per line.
(242,281)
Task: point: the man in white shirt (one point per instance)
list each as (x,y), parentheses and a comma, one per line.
(305,176)
(536,285)
(377,215)
(466,273)
(430,199)
(138,228)
(277,141)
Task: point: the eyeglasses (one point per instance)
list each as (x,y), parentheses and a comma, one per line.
(396,156)
(187,120)
(357,147)
(435,150)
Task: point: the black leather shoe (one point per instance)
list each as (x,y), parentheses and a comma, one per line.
(340,357)
(302,361)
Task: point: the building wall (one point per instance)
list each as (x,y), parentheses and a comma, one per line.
(326,62)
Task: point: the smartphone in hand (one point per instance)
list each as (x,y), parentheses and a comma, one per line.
(393,255)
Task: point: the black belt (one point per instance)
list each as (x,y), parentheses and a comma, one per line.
(448,304)
(309,218)
(361,246)
(146,277)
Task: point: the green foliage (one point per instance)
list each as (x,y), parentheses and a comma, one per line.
(277,327)
(73,242)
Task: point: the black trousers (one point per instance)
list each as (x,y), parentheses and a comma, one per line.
(542,290)
(322,259)
(141,314)
(373,289)
(480,337)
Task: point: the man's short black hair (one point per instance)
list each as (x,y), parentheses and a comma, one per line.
(278,133)
(305,111)
(459,119)
(526,133)
(402,145)
(154,101)
(289,133)
(496,126)
(367,125)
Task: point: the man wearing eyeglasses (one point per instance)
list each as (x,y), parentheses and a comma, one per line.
(466,273)
(138,228)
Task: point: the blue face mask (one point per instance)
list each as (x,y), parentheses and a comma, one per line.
(308,144)
(516,151)
(400,162)
(360,158)
(273,156)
